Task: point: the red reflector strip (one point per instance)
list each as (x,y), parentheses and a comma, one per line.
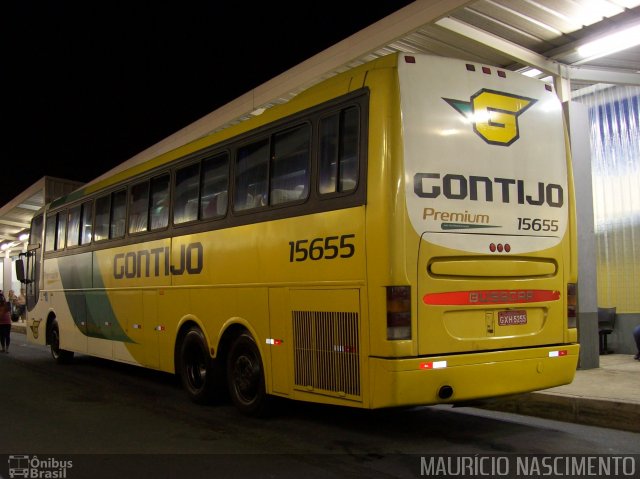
(159,328)
(274,342)
(433,365)
(556,354)
(497,296)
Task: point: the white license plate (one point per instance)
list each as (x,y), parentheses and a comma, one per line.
(512,318)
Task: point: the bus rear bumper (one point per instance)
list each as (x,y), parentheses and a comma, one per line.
(464,377)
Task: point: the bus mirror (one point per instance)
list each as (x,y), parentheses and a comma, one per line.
(20,271)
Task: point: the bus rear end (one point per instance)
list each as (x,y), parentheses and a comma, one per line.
(489,204)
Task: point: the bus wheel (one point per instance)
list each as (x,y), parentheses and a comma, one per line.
(60,355)
(196,367)
(245,376)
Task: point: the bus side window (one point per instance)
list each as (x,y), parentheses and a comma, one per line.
(252,168)
(73,234)
(103,207)
(215,186)
(62,230)
(159,207)
(50,234)
(185,206)
(338,159)
(139,207)
(118,214)
(86,225)
(290,165)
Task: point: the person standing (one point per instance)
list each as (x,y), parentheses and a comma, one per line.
(21,304)
(5,326)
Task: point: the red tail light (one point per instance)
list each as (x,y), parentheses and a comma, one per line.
(398,312)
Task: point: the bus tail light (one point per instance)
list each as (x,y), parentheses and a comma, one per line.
(398,312)
(572,304)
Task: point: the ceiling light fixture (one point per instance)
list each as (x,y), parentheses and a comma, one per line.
(618,41)
(532,72)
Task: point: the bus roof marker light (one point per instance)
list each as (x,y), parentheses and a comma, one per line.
(409,59)
(471,67)
(502,74)
(486,70)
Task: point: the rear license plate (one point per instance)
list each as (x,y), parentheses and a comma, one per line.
(512,318)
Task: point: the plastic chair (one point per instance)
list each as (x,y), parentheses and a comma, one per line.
(606,321)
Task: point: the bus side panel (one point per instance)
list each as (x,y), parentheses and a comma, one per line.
(281,347)
(67,279)
(122,320)
(249,270)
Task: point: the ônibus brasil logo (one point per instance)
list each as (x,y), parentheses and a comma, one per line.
(494,114)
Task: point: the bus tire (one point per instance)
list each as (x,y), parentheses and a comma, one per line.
(245,376)
(196,367)
(60,355)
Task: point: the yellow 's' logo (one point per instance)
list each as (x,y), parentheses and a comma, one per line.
(494,114)
(35,325)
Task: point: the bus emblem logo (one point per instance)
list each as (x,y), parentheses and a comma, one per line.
(35,325)
(493,114)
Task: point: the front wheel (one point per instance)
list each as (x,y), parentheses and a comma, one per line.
(245,376)
(60,355)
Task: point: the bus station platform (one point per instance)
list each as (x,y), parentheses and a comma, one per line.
(608,396)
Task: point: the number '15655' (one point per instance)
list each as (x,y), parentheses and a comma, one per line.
(330,247)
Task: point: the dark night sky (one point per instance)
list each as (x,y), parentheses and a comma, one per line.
(87,85)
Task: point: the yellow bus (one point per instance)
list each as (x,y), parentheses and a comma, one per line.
(402,233)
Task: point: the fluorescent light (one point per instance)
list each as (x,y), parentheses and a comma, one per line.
(627,38)
(532,72)
(23,237)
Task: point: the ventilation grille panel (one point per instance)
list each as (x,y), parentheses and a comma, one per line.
(327,352)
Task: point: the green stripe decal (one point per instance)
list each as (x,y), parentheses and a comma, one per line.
(464,226)
(88,300)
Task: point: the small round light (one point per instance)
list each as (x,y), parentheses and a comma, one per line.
(507,247)
(500,247)
(492,247)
